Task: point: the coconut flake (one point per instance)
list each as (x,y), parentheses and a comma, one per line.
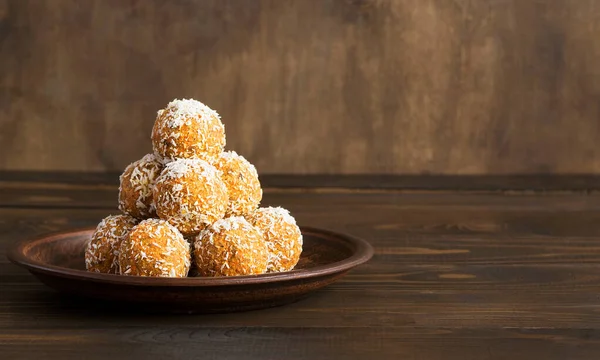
(182,111)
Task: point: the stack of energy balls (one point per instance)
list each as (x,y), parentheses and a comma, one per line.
(192,204)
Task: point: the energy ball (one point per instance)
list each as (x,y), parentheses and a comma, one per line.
(282,236)
(230,247)
(135,191)
(155,248)
(187,129)
(190,195)
(242,183)
(102,251)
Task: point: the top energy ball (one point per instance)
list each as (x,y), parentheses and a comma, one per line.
(187,129)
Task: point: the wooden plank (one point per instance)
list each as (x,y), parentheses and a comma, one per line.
(314,343)
(373,215)
(537,183)
(63,178)
(312,86)
(542,182)
(37,308)
(100,190)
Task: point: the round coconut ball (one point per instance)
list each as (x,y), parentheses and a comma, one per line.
(102,251)
(282,236)
(187,129)
(155,248)
(190,195)
(136,183)
(230,247)
(241,179)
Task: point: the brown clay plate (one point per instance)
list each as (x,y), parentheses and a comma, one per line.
(57,260)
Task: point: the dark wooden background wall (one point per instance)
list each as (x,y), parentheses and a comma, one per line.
(308,86)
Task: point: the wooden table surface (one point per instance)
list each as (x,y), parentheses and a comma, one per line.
(470,274)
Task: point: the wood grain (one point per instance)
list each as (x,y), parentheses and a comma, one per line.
(343,86)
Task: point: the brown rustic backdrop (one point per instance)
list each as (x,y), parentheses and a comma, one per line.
(308,86)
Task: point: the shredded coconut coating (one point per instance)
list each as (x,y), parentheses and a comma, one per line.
(230,247)
(190,195)
(136,184)
(282,235)
(187,129)
(241,179)
(155,248)
(102,251)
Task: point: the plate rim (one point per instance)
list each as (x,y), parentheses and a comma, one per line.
(363,253)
